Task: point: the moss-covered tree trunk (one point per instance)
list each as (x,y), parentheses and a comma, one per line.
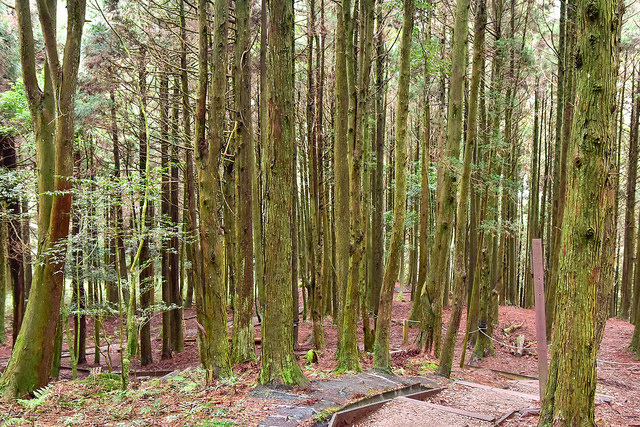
(454,131)
(9,164)
(279,364)
(560,165)
(377,187)
(165,206)
(381,358)
(349,355)
(425,193)
(175,286)
(242,334)
(628,257)
(42,108)
(341,170)
(189,182)
(586,263)
(211,307)
(3,277)
(145,278)
(432,293)
(534,196)
(30,362)
(119,251)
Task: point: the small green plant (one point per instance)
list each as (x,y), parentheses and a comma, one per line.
(311,357)
(14,422)
(325,414)
(217,423)
(104,381)
(39,397)
(428,367)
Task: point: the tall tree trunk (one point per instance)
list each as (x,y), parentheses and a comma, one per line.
(27,259)
(377,190)
(146,279)
(167,345)
(341,169)
(9,163)
(279,364)
(317,205)
(349,357)
(432,293)
(120,253)
(3,277)
(243,334)
(381,358)
(587,263)
(454,131)
(533,231)
(620,126)
(425,192)
(177,334)
(210,291)
(30,362)
(630,212)
(560,168)
(192,247)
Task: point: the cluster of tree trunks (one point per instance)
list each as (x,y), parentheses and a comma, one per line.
(295,205)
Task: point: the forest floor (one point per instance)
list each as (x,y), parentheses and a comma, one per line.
(172,391)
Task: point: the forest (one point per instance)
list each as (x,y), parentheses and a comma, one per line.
(205,203)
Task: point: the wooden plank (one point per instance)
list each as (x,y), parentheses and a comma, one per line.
(502,390)
(541,327)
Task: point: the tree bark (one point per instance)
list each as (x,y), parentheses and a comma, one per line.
(30,362)
(381,358)
(279,364)
(587,263)
(211,307)
(628,256)
(243,334)
(454,132)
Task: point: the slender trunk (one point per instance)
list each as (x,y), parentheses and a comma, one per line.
(425,193)
(210,291)
(167,345)
(381,358)
(454,130)
(629,218)
(560,169)
(3,277)
(15,245)
(341,170)
(243,334)
(146,279)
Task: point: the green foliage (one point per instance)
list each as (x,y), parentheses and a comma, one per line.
(217,423)
(9,60)
(105,382)
(325,414)
(39,398)
(311,357)
(15,117)
(428,367)
(13,421)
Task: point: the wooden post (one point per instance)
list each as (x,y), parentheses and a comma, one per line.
(541,331)
(405,332)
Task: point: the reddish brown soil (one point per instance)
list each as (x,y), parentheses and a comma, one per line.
(620,381)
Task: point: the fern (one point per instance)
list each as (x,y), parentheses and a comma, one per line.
(39,397)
